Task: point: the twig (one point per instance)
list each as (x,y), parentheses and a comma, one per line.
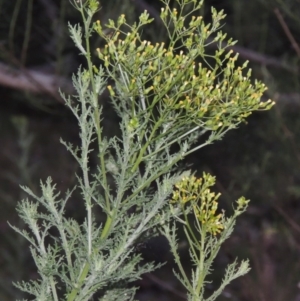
(292,98)
(34,81)
(257,57)
(290,221)
(287,31)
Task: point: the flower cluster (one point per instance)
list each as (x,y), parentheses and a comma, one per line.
(203,200)
(212,96)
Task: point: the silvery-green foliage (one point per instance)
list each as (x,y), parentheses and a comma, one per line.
(210,230)
(165,96)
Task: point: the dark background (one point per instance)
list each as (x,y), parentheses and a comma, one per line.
(260,160)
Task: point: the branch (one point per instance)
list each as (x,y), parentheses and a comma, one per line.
(257,57)
(287,98)
(34,81)
(287,31)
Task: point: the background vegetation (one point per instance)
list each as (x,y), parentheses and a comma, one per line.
(260,160)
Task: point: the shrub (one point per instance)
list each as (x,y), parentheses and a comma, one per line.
(169,97)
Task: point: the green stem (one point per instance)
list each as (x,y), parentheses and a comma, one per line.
(82,277)
(53,287)
(151,179)
(201,264)
(145,146)
(86,267)
(171,142)
(190,232)
(221,240)
(96,111)
(187,283)
(108,223)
